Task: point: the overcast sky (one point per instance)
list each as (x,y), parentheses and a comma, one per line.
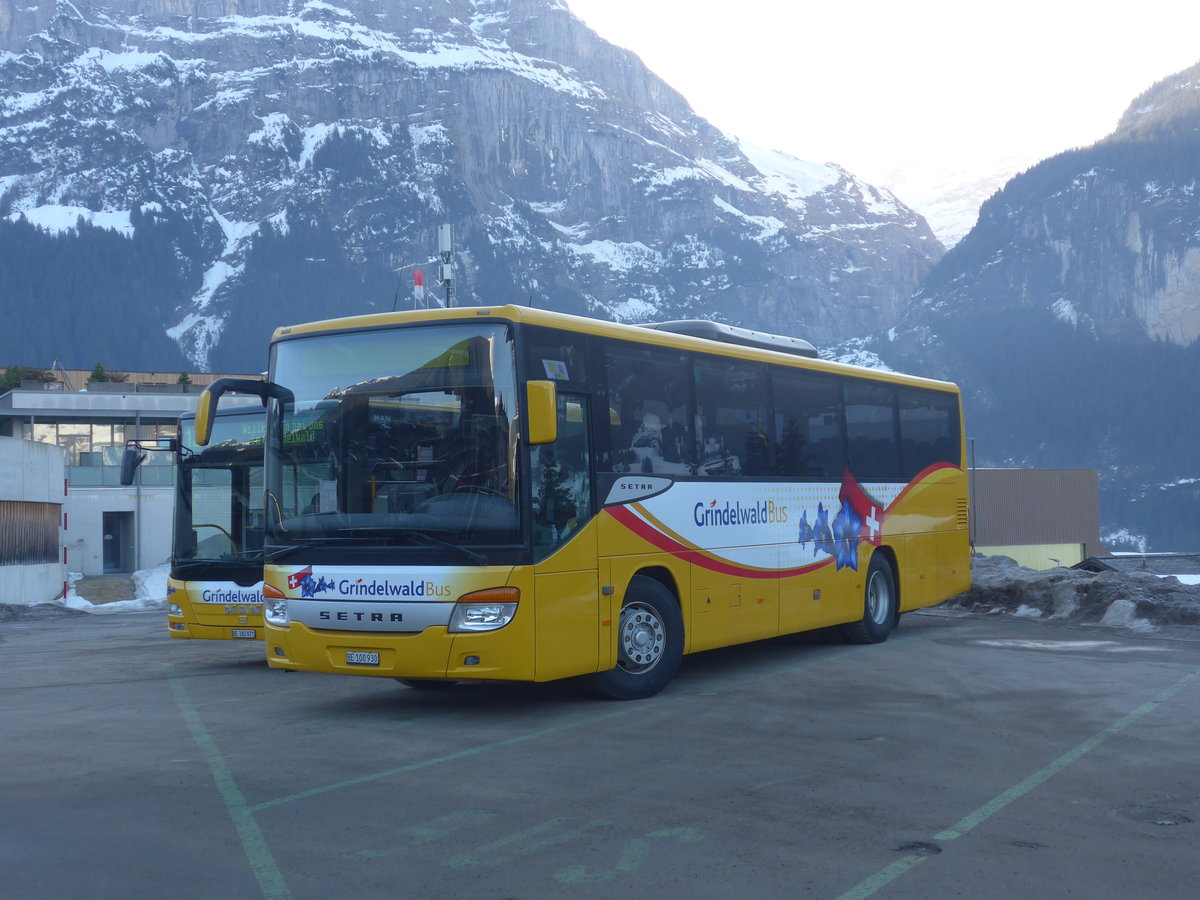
(881,87)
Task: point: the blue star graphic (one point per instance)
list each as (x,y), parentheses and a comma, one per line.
(806,531)
(847,532)
(822,536)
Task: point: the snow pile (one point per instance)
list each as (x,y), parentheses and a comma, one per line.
(1137,601)
(149,593)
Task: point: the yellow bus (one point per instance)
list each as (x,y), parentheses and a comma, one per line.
(509,493)
(214,587)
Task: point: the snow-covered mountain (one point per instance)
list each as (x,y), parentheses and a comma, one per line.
(1070,314)
(181,176)
(949,198)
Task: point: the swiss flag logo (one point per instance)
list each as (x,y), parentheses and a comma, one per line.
(297,578)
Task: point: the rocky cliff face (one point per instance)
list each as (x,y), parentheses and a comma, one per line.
(286,160)
(1071,316)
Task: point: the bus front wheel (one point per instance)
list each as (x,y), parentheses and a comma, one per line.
(649,643)
(879,605)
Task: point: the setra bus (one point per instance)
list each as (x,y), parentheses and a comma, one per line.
(508,493)
(214,587)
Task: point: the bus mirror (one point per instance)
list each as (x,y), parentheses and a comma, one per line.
(206,408)
(541,406)
(132,458)
(204,416)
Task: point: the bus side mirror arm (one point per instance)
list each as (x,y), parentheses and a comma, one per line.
(206,408)
(130,460)
(541,412)
(135,455)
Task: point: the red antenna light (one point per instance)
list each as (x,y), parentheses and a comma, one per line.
(418,278)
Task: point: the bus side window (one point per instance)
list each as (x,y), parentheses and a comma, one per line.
(648,391)
(731,404)
(872,445)
(808,425)
(562,481)
(928,426)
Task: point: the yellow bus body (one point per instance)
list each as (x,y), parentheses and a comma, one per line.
(214,611)
(570,602)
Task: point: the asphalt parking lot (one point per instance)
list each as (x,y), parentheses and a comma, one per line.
(969,756)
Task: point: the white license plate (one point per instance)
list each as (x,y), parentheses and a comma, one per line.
(244,633)
(361,658)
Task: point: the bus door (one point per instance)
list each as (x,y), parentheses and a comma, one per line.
(566,584)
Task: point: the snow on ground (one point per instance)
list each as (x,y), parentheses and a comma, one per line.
(149,595)
(1138,601)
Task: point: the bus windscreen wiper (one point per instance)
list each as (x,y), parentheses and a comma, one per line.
(420,537)
(305,544)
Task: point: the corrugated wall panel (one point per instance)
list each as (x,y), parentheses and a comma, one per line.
(1023,507)
(28,533)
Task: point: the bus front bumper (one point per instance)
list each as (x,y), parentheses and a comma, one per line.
(186,630)
(504,654)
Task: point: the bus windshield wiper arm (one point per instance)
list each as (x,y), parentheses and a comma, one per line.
(303,544)
(420,537)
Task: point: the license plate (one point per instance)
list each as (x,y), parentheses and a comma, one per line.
(244,633)
(361,658)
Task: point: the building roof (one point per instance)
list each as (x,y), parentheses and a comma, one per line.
(103,404)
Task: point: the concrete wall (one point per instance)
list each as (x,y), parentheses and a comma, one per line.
(151,515)
(31,472)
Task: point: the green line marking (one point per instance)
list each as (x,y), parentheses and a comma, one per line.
(434,831)
(883,878)
(629,709)
(489,855)
(636,852)
(969,822)
(453,757)
(993,806)
(270,879)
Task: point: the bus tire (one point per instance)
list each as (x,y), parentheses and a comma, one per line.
(649,643)
(880,603)
(427,684)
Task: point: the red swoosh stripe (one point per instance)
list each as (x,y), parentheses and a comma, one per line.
(648,533)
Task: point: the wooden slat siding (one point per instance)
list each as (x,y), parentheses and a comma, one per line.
(28,533)
(1037,506)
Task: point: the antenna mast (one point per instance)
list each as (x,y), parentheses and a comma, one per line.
(446,250)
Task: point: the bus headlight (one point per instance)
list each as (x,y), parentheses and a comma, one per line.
(276,612)
(484,610)
(174,609)
(275,606)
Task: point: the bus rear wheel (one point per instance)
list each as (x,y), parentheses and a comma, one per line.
(649,643)
(879,605)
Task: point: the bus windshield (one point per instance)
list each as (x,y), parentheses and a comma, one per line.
(394,434)
(218,493)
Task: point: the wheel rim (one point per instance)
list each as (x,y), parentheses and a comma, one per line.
(643,638)
(879,598)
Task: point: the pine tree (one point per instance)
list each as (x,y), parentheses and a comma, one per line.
(98,374)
